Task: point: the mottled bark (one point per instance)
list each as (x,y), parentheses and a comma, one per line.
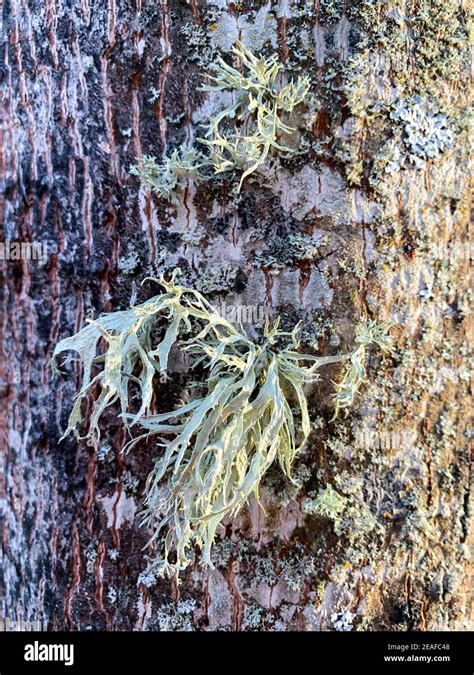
(89,85)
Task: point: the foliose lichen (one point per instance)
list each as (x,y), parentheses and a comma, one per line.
(427,134)
(328,503)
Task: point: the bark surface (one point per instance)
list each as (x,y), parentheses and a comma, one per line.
(368,219)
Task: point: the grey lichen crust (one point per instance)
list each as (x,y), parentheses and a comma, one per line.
(253,410)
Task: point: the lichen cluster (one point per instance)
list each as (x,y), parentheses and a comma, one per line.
(242,135)
(249,411)
(427,134)
(382,111)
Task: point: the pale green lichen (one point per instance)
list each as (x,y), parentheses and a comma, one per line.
(259,106)
(328,503)
(240,137)
(354,370)
(427,132)
(165,179)
(249,411)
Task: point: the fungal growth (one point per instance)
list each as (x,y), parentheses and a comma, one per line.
(248,410)
(242,135)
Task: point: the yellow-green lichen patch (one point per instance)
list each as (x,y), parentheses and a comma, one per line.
(249,410)
(240,137)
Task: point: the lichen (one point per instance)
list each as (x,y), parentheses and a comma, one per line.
(253,410)
(342,621)
(257,28)
(128,264)
(328,503)
(290,249)
(242,136)
(427,133)
(386,73)
(354,370)
(165,179)
(175,617)
(217,278)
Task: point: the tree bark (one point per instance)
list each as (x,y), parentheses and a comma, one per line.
(90,85)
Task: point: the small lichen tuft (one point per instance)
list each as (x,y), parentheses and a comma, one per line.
(328,503)
(240,137)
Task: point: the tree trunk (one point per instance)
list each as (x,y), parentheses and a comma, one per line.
(368,219)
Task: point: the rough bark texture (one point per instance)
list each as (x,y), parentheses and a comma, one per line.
(89,85)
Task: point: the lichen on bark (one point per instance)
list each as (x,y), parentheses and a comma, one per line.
(90,87)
